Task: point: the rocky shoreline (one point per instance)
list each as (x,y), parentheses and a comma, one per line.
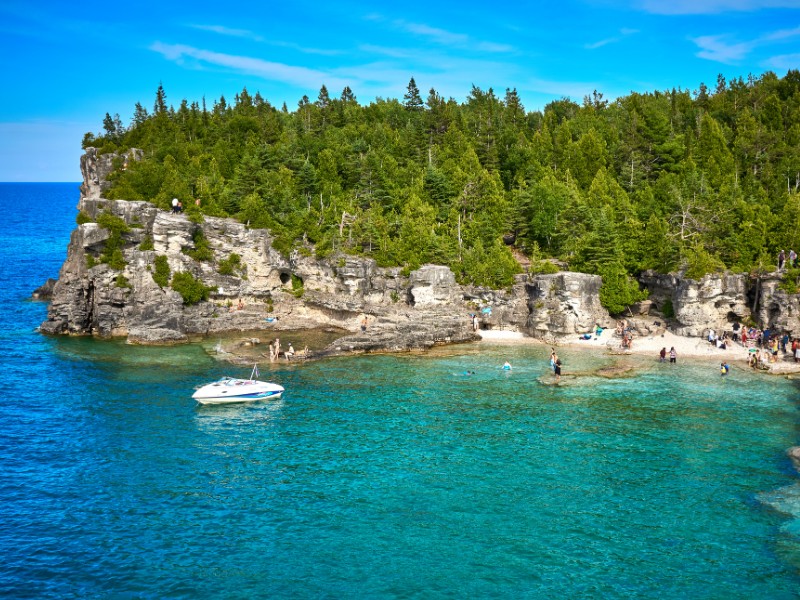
(266,291)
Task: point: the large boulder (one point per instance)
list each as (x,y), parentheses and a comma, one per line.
(433,285)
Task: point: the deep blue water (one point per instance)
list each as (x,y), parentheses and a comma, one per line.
(376,477)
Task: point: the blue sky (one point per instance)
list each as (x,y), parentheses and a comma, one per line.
(67,64)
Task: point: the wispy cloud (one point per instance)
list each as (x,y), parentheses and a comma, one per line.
(719,49)
(783,34)
(440,36)
(783,61)
(251,35)
(222,30)
(391,52)
(705,7)
(449,38)
(274,71)
(306,49)
(612,40)
(601,43)
(714,47)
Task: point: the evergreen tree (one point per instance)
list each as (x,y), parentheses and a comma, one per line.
(412,100)
(160,104)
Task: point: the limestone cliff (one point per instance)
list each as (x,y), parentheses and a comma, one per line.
(278,292)
(720,299)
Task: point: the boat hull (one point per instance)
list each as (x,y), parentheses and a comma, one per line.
(229,391)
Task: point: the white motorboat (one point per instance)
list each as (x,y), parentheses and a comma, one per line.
(230,389)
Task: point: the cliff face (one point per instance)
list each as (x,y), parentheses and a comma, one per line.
(567,302)
(717,300)
(295,292)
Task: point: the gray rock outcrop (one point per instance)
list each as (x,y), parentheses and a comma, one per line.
(565,303)
(720,299)
(714,302)
(44,291)
(97,167)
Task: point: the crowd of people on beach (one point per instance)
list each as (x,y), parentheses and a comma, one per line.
(764,347)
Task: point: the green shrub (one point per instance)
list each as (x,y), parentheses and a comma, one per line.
(113,223)
(297,287)
(114,259)
(543,267)
(230,265)
(162,273)
(699,262)
(122,281)
(191,289)
(147,243)
(202,250)
(112,252)
(91,261)
(667,309)
(618,290)
(789,281)
(83,218)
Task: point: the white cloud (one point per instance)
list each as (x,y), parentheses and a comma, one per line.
(716,48)
(784,61)
(493,47)
(601,43)
(704,7)
(222,30)
(713,47)
(440,36)
(780,35)
(449,38)
(274,71)
(612,40)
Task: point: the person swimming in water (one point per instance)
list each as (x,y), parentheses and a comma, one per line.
(507,366)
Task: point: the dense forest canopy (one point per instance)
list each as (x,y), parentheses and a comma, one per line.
(668,180)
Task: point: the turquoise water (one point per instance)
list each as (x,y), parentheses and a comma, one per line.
(377,477)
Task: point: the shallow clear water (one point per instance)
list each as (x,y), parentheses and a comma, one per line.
(381,476)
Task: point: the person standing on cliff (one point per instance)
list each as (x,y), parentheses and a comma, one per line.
(781,260)
(174,206)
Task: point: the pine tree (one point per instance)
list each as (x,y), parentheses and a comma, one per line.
(412,100)
(160,105)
